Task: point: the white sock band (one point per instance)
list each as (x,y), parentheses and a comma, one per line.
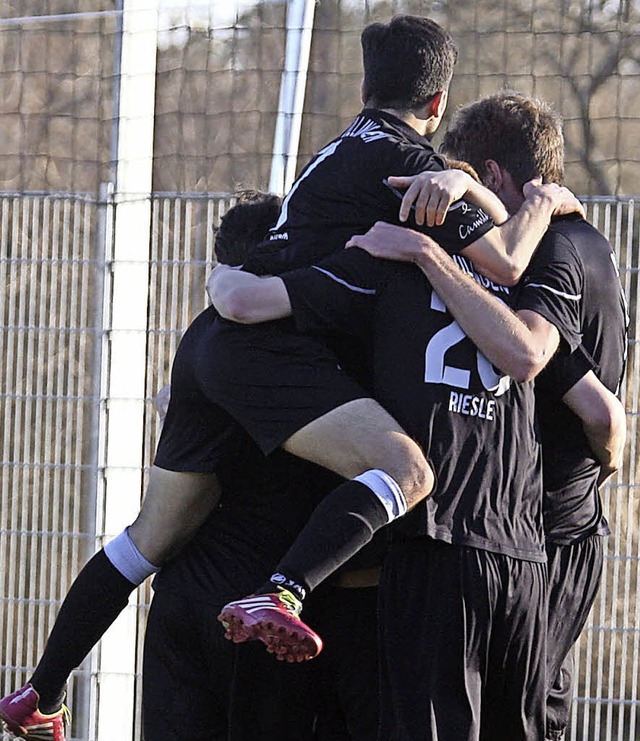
(386,489)
(124,555)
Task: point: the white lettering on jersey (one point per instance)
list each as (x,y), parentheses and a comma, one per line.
(467,267)
(435,368)
(321,157)
(362,128)
(472,406)
(366,130)
(466,230)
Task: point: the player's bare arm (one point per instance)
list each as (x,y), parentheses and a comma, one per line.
(431,194)
(246,298)
(520,345)
(504,252)
(603,420)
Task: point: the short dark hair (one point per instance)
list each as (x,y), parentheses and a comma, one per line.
(245,225)
(523,135)
(406,62)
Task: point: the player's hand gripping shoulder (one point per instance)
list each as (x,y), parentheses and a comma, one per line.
(392,242)
(562,200)
(246,298)
(431,195)
(504,252)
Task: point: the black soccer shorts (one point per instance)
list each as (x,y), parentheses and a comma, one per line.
(271,379)
(267,379)
(462,642)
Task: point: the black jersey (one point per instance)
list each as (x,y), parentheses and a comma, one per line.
(475,425)
(572,507)
(342,192)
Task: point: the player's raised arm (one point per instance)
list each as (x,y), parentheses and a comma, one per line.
(502,253)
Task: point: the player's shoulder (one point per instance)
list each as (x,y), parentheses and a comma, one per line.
(565,236)
(590,247)
(575,230)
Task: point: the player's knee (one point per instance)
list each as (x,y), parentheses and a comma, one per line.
(390,492)
(422,484)
(412,471)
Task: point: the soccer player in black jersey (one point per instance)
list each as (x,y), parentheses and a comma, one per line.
(508,137)
(582,438)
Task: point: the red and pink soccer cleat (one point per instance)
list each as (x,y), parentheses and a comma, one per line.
(22,719)
(273,619)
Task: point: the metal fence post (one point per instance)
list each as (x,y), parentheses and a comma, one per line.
(115,682)
(300,14)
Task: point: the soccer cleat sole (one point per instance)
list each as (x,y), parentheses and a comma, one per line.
(12,728)
(286,645)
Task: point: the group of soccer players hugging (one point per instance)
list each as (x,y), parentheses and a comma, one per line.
(391,424)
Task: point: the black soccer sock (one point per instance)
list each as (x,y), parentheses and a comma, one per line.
(343,522)
(96,598)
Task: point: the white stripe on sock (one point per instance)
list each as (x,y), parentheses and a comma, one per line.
(124,555)
(387,489)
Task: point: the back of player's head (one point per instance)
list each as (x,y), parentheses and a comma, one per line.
(523,135)
(406,62)
(245,225)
